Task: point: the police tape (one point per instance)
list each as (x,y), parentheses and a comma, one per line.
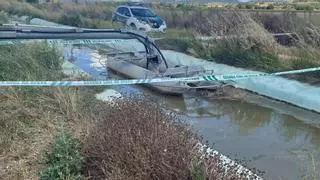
(225,77)
(62,41)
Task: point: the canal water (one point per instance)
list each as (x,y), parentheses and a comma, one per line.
(272,136)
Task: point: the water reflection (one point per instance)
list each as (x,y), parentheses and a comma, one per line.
(270,138)
(247,117)
(299,132)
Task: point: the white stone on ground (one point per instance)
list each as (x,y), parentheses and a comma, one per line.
(108,95)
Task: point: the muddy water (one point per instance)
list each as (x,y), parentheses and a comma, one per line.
(279,139)
(267,138)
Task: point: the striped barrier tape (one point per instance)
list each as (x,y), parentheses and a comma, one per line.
(208,38)
(63,42)
(226,77)
(99,41)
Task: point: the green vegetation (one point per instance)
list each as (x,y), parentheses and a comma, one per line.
(23,62)
(30,62)
(3,17)
(198,173)
(29,115)
(64,160)
(253,58)
(307,6)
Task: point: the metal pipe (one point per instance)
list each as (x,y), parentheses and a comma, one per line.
(46,32)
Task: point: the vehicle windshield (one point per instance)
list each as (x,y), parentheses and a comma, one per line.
(142,12)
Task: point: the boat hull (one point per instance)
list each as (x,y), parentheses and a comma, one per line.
(136,72)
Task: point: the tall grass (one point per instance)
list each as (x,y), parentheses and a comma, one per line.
(242,42)
(30,62)
(23,62)
(304,51)
(29,115)
(251,47)
(246,39)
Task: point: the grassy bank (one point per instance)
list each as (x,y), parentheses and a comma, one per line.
(246,40)
(29,115)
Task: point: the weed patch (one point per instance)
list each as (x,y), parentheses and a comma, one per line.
(64,160)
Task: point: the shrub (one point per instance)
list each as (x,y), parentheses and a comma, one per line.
(64,160)
(3,17)
(270,6)
(241,6)
(249,6)
(135,139)
(310,34)
(277,23)
(71,19)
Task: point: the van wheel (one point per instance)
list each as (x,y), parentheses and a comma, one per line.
(133,26)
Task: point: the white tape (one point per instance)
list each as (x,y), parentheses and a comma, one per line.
(226,77)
